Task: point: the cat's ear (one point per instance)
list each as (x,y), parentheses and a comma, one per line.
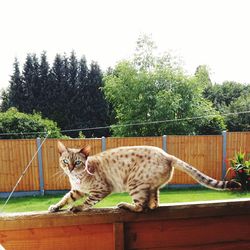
(86,150)
(61,148)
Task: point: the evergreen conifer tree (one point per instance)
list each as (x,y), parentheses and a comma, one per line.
(57,88)
(16,89)
(30,76)
(98,109)
(45,89)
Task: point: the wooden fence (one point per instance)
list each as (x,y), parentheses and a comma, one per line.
(210,225)
(207,153)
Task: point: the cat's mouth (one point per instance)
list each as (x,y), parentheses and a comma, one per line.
(75,168)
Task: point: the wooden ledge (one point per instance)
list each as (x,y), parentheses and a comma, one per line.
(187,210)
(208,225)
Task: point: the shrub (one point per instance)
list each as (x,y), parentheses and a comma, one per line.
(14,124)
(241,170)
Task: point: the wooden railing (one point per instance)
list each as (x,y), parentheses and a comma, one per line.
(211,225)
(207,153)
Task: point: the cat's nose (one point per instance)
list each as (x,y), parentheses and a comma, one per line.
(71,167)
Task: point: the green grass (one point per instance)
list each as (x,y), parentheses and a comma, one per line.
(166,196)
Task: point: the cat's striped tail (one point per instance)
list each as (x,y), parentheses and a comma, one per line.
(204,179)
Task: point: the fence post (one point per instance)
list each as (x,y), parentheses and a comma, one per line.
(40,166)
(224,153)
(103,143)
(164,143)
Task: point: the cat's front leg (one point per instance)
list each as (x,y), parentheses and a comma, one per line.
(68,198)
(93,198)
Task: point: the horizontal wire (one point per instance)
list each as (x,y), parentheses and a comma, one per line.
(153,122)
(131,124)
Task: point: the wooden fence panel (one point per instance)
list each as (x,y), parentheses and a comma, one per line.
(113,142)
(203,152)
(54,179)
(14,157)
(237,141)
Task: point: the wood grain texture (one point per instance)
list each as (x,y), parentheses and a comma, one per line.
(198,225)
(203,152)
(118,235)
(198,233)
(14,158)
(70,237)
(26,220)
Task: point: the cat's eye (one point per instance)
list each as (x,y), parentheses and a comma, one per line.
(77,163)
(65,161)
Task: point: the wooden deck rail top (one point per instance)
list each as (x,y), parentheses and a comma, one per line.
(171,211)
(171,226)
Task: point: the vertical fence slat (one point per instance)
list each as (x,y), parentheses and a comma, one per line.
(164,143)
(40,166)
(103,143)
(224,154)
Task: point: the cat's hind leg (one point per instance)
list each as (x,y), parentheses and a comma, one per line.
(140,196)
(153,202)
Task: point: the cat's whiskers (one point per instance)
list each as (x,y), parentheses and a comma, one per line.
(58,176)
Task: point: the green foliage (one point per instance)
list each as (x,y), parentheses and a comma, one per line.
(149,89)
(222,95)
(239,122)
(241,169)
(231,97)
(13,122)
(69,92)
(202,76)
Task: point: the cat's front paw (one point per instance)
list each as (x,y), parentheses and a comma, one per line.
(53,209)
(77,209)
(123,205)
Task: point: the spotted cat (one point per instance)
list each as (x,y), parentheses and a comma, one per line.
(138,170)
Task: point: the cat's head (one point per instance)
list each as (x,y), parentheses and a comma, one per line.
(72,160)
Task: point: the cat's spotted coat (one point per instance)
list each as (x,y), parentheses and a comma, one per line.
(138,170)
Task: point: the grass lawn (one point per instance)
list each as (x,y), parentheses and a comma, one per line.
(39,203)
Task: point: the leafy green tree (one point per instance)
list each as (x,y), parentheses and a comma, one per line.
(14,124)
(150,89)
(241,121)
(222,95)
(202,76)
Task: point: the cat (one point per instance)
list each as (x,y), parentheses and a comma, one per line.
(138,170)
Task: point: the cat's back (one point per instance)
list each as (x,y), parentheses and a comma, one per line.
(127,156)
(126,151)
